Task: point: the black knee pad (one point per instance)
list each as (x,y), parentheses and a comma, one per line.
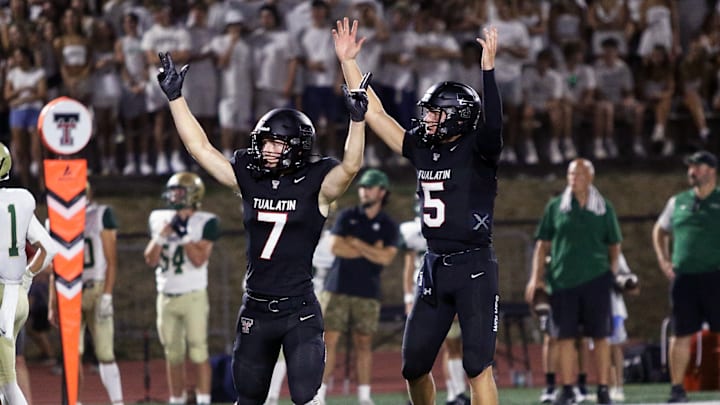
(413,369)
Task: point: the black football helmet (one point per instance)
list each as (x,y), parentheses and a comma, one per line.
(289,126)
(461,105)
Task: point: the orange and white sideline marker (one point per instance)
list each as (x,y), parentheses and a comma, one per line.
(65,126)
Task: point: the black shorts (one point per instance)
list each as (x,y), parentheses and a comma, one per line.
(265,324)
(695,299)
(467,285)
(584,310)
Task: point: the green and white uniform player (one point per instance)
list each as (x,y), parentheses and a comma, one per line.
(180,248)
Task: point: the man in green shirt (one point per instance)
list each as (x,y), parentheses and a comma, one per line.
(580,232)
(692,220)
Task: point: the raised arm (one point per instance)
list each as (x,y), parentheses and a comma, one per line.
(347,47)
(191,133)
(492,104)
(339,178)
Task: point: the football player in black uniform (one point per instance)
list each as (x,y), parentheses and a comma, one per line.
(286,197)
(455,149)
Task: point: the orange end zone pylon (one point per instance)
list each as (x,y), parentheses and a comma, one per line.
(66,182)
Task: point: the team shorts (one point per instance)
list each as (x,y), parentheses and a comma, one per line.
(584,310)
(695,299)
(359,313)
(25,118)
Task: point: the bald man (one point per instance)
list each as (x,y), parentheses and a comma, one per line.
(580,232)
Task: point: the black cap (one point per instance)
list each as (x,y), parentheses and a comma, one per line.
(702,157)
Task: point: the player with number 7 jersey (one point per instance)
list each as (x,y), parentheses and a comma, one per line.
(286,195)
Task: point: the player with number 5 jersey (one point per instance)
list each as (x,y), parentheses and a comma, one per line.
(455,148)
(286,196)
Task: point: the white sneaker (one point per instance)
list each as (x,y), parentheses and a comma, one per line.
(612,149)
(547,396)
(599,150)
(617,394)
(555,155)
(531,157)
(638,148)
(271,401)
(161,165)
(366,402)
(176,163)
(129,169)
(658,133)
(579,397)
(668,148)
(508,156)
(145,168)
(569,146)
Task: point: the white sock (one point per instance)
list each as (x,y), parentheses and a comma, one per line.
(363,392)
(321,392)
(202,399)
(13,395)
(457,375)
(451,394)
(277,379)
(110,377)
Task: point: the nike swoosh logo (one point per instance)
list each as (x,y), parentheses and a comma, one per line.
(476,275)
(305,318)
(453,148)
(298,180)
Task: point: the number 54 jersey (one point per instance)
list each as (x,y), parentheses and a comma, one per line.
(175,273)
(283,224)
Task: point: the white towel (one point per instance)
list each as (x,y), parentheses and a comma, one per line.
(595,202)
(7,311)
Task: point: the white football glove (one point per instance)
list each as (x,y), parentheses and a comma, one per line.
(105,306)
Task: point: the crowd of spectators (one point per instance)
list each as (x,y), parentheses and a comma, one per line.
(596,78)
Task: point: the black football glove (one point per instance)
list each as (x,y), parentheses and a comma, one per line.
(170,79)
(179,225)
(357,100)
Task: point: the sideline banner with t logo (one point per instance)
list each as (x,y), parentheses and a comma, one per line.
(65,126)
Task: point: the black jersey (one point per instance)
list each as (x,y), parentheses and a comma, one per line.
(283,224)
(457,181)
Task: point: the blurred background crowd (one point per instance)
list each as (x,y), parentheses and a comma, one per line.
(603,79)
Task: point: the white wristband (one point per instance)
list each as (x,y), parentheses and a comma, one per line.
(159,240)
(409,298)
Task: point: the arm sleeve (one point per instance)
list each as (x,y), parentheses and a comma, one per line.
(664,221)
(108,219)
(211,230)
(490,141)
(546,228)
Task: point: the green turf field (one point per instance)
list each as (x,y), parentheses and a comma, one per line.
(634,393)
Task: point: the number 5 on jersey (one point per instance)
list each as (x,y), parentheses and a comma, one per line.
(278,219)
(436,204)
